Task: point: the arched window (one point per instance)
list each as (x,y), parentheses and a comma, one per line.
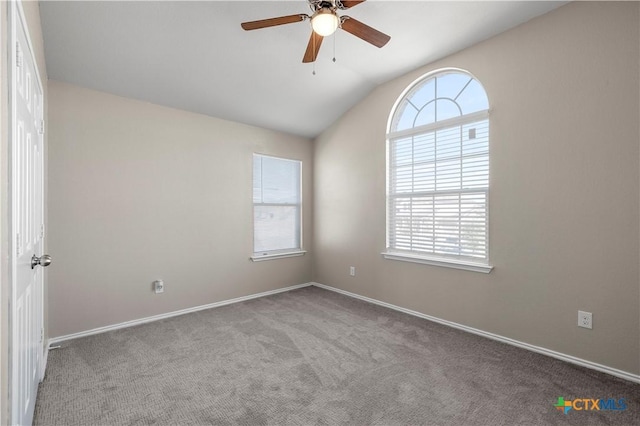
(438,173)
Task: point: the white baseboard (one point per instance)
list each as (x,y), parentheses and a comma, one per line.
(544,351)
(59,339)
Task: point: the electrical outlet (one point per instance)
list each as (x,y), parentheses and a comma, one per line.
(158,286)
(585,319)
(352,271)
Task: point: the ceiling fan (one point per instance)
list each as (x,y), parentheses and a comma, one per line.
(325,21)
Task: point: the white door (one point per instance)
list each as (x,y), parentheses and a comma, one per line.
(27,222)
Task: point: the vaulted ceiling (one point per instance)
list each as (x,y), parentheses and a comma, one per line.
(195,56)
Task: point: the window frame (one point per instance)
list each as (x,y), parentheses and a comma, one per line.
(278,253)
(413,256)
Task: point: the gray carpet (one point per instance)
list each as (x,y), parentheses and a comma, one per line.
(311,356)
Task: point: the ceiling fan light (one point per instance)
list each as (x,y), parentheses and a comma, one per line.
(324,22)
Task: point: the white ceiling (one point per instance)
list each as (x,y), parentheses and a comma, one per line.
(194,55)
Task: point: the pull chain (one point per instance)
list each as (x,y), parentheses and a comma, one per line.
(313,40)
(334,45)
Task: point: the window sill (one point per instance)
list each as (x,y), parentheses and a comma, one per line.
(272,256)
(438,261)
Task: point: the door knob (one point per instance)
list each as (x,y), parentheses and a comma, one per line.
(44,260)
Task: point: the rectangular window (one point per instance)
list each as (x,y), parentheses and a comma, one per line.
(438,187)
(277,207)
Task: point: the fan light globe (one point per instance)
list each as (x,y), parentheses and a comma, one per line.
(324,22)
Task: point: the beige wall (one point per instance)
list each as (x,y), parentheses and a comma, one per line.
(32,16)
(564,218)
(140,192)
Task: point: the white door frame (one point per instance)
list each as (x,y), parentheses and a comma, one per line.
(4,303)
(15,12)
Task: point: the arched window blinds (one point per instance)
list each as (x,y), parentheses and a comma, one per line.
(438,171)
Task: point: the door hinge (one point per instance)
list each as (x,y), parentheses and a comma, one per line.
(41,334)
(41,230)
(41,127)
(18,56)
(18,245)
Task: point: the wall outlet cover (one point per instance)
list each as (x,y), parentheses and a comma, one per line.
(585,319)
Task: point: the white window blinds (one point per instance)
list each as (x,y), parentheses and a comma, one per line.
(276,205)
(438,172)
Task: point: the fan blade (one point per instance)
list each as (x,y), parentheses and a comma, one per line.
(365,32)
(346,4)
(313,47)
(281,20)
